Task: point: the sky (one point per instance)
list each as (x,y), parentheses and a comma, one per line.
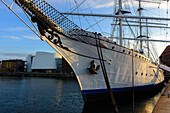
(17,41)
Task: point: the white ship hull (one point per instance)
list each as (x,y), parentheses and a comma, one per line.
(118,62)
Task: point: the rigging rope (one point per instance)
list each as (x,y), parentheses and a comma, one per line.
(95,23)
(132,32)
(133,83)
(77,6)
(21,19)
(100,54)
(78,13)
(28,17)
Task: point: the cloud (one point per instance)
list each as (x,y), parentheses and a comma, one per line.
(8,36)
(151,4)
(159,46)
(21,37)
(110,3)
(54,1)
(107,4)
(14,54)
(15,29)
(6,56)
(31,37)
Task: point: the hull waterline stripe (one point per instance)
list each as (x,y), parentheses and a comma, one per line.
(119,89)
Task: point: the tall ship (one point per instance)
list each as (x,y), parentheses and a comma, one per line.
(100,64)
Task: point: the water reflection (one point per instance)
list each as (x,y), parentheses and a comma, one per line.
(26,94)
(142,105)
(59,91)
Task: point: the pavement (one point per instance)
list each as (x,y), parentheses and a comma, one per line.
(163,104)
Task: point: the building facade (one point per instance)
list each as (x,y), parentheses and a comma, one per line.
(44,62)
(29,61)
(165,56)
(0,65)
(12,66)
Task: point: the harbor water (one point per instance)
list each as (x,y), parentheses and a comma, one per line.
(53,95)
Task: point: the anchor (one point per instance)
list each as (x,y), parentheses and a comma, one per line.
(92,68)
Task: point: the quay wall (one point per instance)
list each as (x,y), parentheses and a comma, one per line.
(37,74)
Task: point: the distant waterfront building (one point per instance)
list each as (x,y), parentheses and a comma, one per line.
(165,56)
(165,59)
(66,68)
(12,65)
(0,66)
(58,64)
(29,60)
(44,62)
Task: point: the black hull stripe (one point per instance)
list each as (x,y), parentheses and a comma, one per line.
(96,91)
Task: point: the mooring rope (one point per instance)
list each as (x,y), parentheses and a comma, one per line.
(100,54)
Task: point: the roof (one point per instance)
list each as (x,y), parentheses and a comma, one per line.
(166,51)
(164,67)
(13,60)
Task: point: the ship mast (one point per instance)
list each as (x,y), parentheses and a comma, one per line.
(147,38)
(140,21)
(120,22)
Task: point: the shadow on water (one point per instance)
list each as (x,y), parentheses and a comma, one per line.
(142,105)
